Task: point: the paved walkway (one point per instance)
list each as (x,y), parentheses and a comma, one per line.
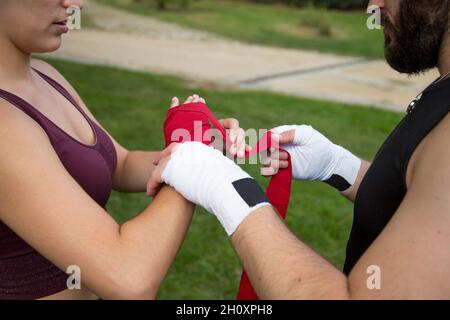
(134,42)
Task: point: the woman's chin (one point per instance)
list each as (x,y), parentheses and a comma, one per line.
(50,46)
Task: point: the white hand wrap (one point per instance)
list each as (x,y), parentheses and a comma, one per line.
(206,177)
(314,157)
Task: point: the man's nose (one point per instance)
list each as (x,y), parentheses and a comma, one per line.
(69,3)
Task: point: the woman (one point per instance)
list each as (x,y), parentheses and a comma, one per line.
(57,169)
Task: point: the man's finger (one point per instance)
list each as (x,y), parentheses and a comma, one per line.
(240,142)
(267,172)
(275,155)
(233,149)
(283,164)
(283,155)
(265,161)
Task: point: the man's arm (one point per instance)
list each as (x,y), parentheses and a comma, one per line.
(282,267)
(412,251)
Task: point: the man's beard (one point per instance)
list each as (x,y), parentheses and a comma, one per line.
(413,44)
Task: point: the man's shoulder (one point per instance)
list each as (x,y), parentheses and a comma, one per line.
(433,154)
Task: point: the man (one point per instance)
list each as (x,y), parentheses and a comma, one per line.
(402,199)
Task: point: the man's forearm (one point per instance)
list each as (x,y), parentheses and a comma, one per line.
(135,171)
(353,190)
(280,266)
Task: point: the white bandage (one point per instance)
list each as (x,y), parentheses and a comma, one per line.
(316,158)
(205,177)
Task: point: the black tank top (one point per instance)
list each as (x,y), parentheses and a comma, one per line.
(384,185)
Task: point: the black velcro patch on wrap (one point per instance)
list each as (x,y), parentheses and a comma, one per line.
(338,182)
(250,191)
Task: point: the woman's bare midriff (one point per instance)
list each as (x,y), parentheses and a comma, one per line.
(82,294)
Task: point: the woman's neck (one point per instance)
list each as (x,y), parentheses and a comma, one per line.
(15,64)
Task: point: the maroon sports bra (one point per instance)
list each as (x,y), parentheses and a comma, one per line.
(24,273)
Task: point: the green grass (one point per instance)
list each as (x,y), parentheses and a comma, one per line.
(331,31)
(132,107)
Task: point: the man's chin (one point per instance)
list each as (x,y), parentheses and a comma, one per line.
(392,60)
(401,67)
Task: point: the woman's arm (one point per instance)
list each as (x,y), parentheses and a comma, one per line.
(134,168)
(46,207)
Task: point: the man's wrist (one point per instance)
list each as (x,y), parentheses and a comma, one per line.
(346,171)
(245,196)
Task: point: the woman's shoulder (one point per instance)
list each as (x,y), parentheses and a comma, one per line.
(11,117)
(19,135)
(14,125)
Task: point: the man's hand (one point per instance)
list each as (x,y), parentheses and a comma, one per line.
(204,176)
(314,157)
